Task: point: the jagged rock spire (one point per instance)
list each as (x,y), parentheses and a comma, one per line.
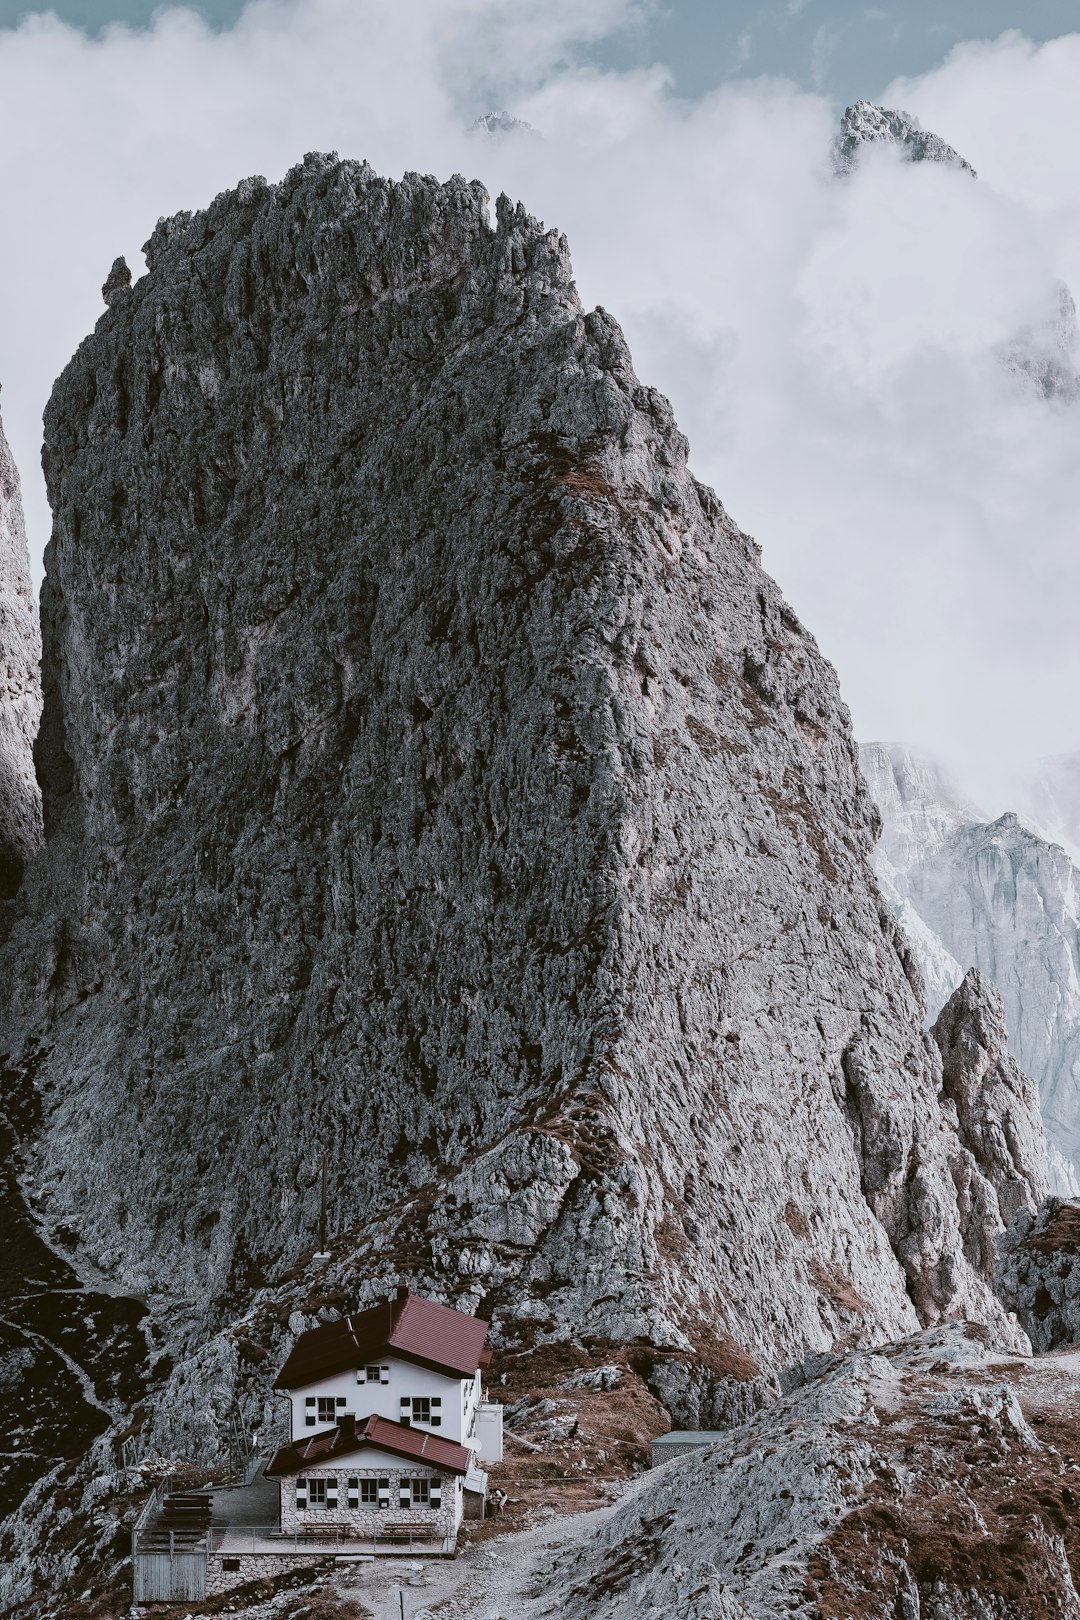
(20,690)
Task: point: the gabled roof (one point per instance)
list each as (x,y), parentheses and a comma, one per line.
(414,1445)
(417,1330)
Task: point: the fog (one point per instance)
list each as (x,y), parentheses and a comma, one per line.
(833,349)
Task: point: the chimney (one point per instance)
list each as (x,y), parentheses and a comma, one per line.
(401,1294)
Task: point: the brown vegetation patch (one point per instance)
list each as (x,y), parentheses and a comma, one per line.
(978,1518)
(711,744)
(563,1445)
(1060,1236)
(796,1221)
(839,1290)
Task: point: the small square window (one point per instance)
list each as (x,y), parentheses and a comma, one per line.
(231,1566)
(421,1492)
(374,1375)
(327,1409)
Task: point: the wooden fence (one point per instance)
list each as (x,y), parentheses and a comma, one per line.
(169,1577)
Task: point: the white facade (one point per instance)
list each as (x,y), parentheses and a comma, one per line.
(405,1393)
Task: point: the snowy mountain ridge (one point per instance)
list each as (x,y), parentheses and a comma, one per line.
(996,894)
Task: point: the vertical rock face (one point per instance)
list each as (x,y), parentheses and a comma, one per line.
(20,691)
(997,1116)
(995,896)
(1038,1272)
(433,778)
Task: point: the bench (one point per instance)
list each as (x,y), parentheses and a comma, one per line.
(412,1532)
(321,1531)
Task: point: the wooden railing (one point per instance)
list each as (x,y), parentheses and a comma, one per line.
(241,1539)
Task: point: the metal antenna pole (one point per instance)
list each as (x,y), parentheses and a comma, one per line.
(322,1222)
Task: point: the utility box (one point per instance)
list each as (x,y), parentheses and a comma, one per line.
(489,1431)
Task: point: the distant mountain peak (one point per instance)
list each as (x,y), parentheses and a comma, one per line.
(866,124)
(501,126)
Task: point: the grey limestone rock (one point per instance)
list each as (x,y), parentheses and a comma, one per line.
(117,283)
(884,1488)
(501,126)
(997,1112)
(433,779)
(1038,1272)
(20,691)
(866,124)
(997,896)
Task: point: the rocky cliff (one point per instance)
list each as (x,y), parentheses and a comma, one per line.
(993,895)
(20,692)
(866,124)
(433,780)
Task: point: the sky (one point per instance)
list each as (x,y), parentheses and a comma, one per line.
(837,351)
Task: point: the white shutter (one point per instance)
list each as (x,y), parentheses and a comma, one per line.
(331,1493)
(436,1493)
(361,1375)
(385,1375)
(404,1494)
(384,1493)
(354,1494)
(301,1494)
(406,1403)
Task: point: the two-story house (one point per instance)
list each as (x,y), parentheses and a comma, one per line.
(388,1425)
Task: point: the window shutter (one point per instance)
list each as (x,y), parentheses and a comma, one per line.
(385,1371)
(435,1420)
(404,1494)
(406,1403)
(436,1493)
(384,1493)
(354,1494)
(341,1400)
(301,1493)
(309,1421)
(331,1493)
(436,1400)
(309,1400)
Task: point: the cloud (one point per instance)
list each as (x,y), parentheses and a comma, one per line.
(829,347)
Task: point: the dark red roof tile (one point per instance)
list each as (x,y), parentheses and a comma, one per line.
(415,1329)
(413,1445)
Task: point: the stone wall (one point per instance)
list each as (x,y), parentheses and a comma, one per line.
(255,1567)
(366,1521)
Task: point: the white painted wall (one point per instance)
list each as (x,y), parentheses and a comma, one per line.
(459,1396)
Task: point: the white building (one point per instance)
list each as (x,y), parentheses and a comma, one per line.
(389,1425)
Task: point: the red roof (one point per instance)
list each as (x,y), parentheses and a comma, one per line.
(415,1445)
(415,1329)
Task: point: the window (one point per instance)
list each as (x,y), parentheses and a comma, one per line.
(421,1492)
(231,1566)
(327,1409)
(374,1375)
(426,1409)
(317,1492)
(369,1492)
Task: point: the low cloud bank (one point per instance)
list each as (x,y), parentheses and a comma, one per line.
(831,347)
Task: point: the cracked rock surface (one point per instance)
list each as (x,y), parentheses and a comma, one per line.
(433,778)
(20,692)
